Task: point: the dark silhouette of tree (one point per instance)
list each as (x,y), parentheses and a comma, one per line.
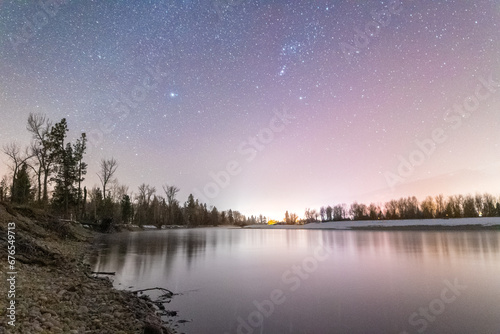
(339,212)
(440,206)
(3,189)
(329,213)
(190,209)
(171,192)
(322,213)
(214,217)
(81,170)
(107,170)
(18,158)
(68,166)
(358,211)
(21,192)
(469,205)
(489,206)
(429,208)
(39,126)
(309,215)
(126,209)
(144,215)
(374,211)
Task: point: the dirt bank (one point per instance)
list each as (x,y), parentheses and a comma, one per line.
(54,290)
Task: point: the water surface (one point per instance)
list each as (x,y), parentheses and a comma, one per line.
(315,281)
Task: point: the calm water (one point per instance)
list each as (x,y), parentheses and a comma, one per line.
(315,281)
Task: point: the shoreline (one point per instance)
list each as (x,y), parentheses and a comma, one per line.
(55,291)
(456,224)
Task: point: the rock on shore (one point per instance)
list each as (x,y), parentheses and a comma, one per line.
(55,292)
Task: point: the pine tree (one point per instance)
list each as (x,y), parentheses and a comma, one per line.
(69,167)
(126,208)
(190,209)
(21,192)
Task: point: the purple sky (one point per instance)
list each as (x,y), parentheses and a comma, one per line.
(288,105)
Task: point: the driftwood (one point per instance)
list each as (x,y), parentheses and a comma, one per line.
(161,289)
(149,289)
(102,273)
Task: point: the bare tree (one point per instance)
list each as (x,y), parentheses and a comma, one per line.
(440,206)
(39,126)
(118,191)
(322,213)
(170,192)
(145,193)
(18,158)
(108,169)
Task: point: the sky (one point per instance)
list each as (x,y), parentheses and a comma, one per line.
(264,106)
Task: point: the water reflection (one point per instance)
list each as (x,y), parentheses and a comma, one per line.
(371,282)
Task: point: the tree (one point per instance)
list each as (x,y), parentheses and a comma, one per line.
(469,206)
(40,126)
(3,188)
(440,206)
(214,216)
(190,209)
(479,204)
(69,167)
(429,208)
(322,213)
(21,192)
(18,159)
(329,212)
(287,218)
(230,217)
(144,198)
(239,219)
(126,209)
(339,212)
(81,168)
(170,192)
(309,215)
(107,170)
(489,206)
(358,211)
(391,210)
(374,212)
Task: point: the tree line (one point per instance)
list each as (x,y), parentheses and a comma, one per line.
(455,206)
(49,173)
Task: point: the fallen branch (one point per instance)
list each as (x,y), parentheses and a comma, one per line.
(149,289)
(102,273)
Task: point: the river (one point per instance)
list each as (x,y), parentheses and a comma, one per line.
(314,281)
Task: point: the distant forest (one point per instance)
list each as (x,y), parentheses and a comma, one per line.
(49,173)
(457,206)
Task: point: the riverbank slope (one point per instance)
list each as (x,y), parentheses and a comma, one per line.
(55,291)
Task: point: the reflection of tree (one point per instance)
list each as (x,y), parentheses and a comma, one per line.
(442,244)
(146,251)
(142,255)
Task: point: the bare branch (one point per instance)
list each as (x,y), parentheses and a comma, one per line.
(108,169)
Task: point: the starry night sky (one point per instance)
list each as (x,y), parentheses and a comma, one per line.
(293,104)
